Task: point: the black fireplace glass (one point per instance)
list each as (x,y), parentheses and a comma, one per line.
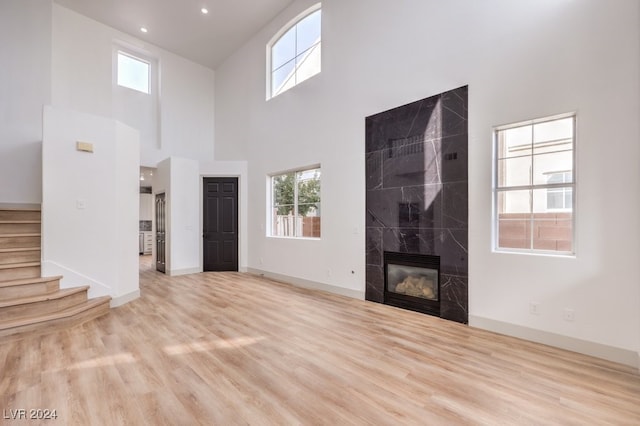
(413,281)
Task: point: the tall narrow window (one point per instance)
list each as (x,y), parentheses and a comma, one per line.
(133,72)
(534,186)
(294,56)
(136,93)
(295,204)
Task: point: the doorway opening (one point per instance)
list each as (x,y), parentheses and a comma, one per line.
(161,222)
(220,224)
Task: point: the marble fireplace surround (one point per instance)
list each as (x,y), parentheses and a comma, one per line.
(417,193)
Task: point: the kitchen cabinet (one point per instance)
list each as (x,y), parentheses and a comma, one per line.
(146,207)
(148,242)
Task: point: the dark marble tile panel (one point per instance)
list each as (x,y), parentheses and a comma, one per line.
(454,112)
(454,298)
(452,247)
(455,205)
(374,246)
(454,158)
(432,161)
(374,289)
(409,240)
(419,120)
(406,207)
(417,163)
(450,244)
(417,192)
(374,170)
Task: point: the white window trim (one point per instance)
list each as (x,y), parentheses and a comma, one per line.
(495,190)
(155,89)
(277,36)
(140,55)
(138,59)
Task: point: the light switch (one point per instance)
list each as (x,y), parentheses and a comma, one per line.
(81,204)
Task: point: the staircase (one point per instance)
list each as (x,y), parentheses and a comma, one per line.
(29,302)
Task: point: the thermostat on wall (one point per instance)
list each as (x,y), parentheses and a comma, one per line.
(84,146)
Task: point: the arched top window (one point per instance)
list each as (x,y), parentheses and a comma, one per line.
(293,55)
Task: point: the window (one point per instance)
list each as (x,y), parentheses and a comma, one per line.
(136,92)
(295,204)
(133,72)
(294,55)
(534,186)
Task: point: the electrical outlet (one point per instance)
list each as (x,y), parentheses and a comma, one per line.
(534,308)
(569,314)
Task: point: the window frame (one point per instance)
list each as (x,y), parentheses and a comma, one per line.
(271,202)
(139,58)
(274,40)
(532,186)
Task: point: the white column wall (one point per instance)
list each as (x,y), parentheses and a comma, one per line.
(90,204)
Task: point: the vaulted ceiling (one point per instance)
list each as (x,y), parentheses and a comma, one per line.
(180,26)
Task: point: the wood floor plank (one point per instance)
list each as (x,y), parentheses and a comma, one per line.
(231,349)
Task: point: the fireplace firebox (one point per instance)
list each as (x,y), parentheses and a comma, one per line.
(412,281)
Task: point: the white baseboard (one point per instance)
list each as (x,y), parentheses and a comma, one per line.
(610,353)
(125,298)
(300,282)
(187,271)
(71,278)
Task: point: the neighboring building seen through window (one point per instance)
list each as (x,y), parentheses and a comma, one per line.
(534,186)
(295,55)
(295,204)
(559,198)
(133,72)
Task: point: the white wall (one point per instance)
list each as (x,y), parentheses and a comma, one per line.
(82,79)
(90,203)
(25,86)
(184,216)
(181,181)
(521,60)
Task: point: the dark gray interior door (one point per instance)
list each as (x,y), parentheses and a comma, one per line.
(220,224)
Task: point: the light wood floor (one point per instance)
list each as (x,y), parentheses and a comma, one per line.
(228,348)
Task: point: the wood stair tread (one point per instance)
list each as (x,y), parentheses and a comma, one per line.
(19,265)
(18,249)
(59,294)
(29,303)
(66,313)
(23,281)
(19,221)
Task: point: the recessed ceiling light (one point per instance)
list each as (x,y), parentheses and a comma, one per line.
(143,29)
(204,10)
